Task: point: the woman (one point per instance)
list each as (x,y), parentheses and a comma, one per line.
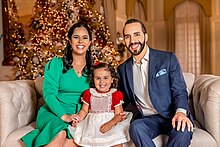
(64,81)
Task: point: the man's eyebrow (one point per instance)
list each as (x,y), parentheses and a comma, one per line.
(137,32)
(133,33)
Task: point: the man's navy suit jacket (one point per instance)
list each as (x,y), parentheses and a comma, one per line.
(166,85)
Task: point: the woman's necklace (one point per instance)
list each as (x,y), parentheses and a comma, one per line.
(78,68)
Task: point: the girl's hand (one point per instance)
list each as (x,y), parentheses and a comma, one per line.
(106,127)
(123,116)
(75,120)
(120,117)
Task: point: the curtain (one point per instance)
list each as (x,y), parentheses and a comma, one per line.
(205,43)
(138,12)
(189,37)
(110,18)
(186,36)
(171,33)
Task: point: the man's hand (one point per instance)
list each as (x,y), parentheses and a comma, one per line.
(181,120)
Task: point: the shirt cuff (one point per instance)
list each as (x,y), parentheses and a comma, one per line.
(181,110)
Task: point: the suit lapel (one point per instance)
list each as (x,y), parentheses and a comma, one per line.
(152,64)
(151,69)
(129,74)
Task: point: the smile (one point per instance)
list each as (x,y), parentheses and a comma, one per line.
(102,86)
(135,46)
(80,46)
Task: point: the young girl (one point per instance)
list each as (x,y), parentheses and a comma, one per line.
(100,122)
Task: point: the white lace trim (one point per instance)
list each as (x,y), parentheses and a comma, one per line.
(97,94)
(120,103)
(84,101)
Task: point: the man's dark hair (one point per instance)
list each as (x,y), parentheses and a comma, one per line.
(135,21)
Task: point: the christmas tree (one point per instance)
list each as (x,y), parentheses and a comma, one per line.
(14,31)
(48,35)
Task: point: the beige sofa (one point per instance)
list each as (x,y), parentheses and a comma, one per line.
(7,73)
(20,99)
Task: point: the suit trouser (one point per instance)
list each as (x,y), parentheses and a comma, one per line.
(143,130)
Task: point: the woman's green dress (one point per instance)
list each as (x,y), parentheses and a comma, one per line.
(62,93)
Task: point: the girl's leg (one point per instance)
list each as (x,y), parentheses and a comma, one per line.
(58,141)
(70,143)
(118,145)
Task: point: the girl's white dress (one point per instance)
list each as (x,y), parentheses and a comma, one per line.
(101,111)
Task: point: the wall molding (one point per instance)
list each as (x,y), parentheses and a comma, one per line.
(169,5)
(130,7)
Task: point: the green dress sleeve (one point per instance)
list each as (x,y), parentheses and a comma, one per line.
(52,73)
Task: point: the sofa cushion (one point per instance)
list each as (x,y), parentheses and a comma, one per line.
(7,73)
(14,138)
(200,138)
(38,86)
(206,103)
(18,99)
(189,79)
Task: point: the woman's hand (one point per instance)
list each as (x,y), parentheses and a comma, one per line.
(67,118)
(70,118)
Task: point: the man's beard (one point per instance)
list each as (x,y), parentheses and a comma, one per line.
(136,52)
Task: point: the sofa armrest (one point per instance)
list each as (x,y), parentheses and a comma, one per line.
(206,103)
(17,106)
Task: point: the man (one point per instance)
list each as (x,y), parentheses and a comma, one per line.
(152,81)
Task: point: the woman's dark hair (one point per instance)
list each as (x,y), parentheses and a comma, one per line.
(108,67)
(144,30)
(68,58)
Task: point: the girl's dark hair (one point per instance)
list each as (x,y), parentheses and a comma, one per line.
(68,58)
(108,67)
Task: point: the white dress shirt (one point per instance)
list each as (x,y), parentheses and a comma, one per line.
(140,76)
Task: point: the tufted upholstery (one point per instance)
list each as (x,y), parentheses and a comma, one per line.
(17,106)
(20,99)
(206,103)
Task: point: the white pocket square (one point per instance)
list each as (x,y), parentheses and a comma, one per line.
(161,72)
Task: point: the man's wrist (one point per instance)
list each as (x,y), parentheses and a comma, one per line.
(181,110)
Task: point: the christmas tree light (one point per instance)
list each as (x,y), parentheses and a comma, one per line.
(15,34)
(50,22)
